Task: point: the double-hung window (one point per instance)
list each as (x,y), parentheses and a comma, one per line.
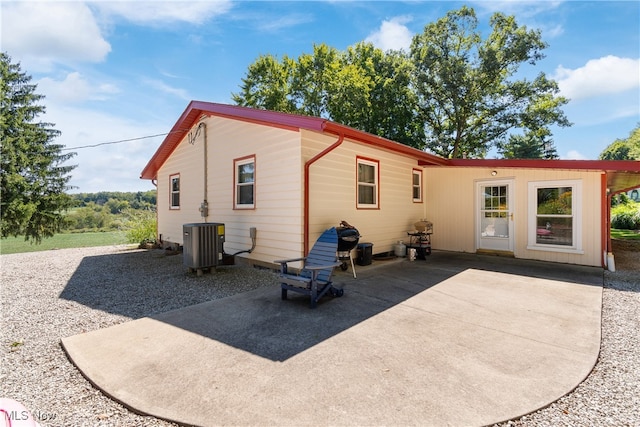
(174,191)
(368,177)
(245,183)
(555,222)
(417,185)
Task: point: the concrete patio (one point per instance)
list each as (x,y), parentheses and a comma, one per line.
(456,339)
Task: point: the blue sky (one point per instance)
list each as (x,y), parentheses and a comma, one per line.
(119,70)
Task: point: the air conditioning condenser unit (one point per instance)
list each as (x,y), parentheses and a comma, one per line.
(203,245)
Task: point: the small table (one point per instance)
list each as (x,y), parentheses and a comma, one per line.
(421,242)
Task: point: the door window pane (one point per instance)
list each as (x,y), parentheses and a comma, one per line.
(495,221)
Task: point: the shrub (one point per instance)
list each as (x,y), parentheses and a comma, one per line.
(140,226)
(626,216)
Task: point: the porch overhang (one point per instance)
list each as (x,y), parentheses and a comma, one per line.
(622,175)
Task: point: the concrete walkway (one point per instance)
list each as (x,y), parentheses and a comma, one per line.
(458,340)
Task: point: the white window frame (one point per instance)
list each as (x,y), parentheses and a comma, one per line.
(418,173)
(576,215)
(236,185)
(375,185)
(173,192)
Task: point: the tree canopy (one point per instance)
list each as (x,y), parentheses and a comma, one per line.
(467,98)
(624,149)
(33,180)
(361,87)
(453,93)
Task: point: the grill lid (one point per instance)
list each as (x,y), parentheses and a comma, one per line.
(348,237)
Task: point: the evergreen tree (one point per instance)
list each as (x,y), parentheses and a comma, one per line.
(32,178)
(529,146)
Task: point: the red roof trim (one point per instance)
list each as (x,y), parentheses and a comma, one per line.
(622,175)
(624,172)
(423,157)
(603,165)
(196,109)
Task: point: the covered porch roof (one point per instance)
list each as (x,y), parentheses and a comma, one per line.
(622,175)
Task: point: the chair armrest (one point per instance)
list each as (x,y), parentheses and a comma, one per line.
(284,267)
(285,261)
(322,267)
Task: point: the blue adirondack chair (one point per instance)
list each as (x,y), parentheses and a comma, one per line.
(314,278)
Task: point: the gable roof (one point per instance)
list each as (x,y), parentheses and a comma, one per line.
(622,175)
(197,109)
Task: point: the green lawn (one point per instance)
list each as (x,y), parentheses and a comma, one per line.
(625,234)
(13,245)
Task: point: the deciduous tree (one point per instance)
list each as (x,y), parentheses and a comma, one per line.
(468,98)
(453,94)
(624,149)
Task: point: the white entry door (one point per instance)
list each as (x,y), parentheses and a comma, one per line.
(495,222)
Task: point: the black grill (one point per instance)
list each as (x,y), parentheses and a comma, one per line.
(348,238)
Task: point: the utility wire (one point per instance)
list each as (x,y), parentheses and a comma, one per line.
(119,141)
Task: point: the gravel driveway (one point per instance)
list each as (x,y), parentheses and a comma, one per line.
(49,295)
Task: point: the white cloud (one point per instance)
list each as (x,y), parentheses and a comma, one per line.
(42,33)
(520,8)
(105,167)
(155,12)
(603,76)
(163,87)
(574,155)
(392,34)
(283,22)
(74,89)
(552,31)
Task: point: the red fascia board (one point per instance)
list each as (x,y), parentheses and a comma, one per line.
(261,116)
(423,157)
(622,175)
(196,109)
(603,165)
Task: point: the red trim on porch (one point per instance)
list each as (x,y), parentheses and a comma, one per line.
(605,232)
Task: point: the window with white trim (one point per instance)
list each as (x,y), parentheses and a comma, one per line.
(245,188)
(367,183)
(555,220)
(174,192)
(417,185)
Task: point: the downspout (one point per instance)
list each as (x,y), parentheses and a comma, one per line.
(154,181)
(307,166)
(611,265)
(605,234)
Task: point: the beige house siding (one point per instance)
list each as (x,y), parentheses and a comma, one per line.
(277,215)
(333,184)
(186,161)
(451,206)
(449,194)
